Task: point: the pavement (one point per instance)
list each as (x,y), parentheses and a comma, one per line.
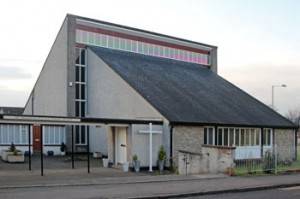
(80,177)
(79,184)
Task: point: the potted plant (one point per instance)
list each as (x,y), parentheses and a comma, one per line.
(105,161)
(136,163)
(63,149)
(125,166)
(161,158)
(12,154)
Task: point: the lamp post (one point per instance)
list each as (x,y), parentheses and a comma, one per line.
(273,87)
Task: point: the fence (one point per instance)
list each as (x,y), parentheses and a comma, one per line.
(275,160)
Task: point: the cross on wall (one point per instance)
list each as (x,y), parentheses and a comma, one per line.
(150,132)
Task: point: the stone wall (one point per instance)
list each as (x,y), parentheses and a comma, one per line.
(187,138)
(213,159)
(217,159)
(285,142)
(188,147)
(189,163)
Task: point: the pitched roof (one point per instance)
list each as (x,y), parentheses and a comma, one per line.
(189,93)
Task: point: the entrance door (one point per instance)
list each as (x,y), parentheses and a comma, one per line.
(121,145)
(36,138)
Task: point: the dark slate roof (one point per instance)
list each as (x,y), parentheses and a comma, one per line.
(188,93)
(11,110)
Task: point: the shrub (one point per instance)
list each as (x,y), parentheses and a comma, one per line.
(12,147)
(162,154)
(135,157)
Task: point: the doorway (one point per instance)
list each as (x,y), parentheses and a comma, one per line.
(36,138)
(120,145)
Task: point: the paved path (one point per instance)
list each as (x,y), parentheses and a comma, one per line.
(143,186)
(79,177)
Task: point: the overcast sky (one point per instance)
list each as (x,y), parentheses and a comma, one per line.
(258,41)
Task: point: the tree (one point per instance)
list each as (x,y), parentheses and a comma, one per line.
(294,115)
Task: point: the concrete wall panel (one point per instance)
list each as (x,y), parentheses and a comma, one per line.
(49,96)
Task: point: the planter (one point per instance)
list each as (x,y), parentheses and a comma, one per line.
(15,158)
(105,162)
(125,166)
(11,157)
(161,164)
(4,155)
(97,155)
(50,153)
(136,165)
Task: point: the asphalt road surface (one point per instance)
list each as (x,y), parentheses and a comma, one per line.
(114,189)
(286,193)
(94,192)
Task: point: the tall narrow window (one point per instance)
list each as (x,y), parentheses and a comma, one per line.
(209,135)
(220,137)
(252,132)
(257,137)
(225,137)
(242,137)
(237,137)
(247,137)
(267,137)
(80,92)
(231,137)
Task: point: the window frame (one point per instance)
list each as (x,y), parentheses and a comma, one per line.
(207,132)
(131,45)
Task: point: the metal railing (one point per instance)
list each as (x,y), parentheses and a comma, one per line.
(274,160)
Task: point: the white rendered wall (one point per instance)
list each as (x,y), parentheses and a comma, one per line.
(109,96)
(50,90)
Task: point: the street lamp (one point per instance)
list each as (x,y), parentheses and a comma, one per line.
(273,87)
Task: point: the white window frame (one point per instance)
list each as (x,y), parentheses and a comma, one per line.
(252,135)
(55,131)
(80,143)
(207,135)
(13,131)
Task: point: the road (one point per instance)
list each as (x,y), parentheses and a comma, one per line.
(122,191)
(139,186)
(290,193)
(94,192)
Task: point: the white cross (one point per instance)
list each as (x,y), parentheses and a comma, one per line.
(150,131)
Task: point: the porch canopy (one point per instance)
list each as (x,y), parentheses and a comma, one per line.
(68,121)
